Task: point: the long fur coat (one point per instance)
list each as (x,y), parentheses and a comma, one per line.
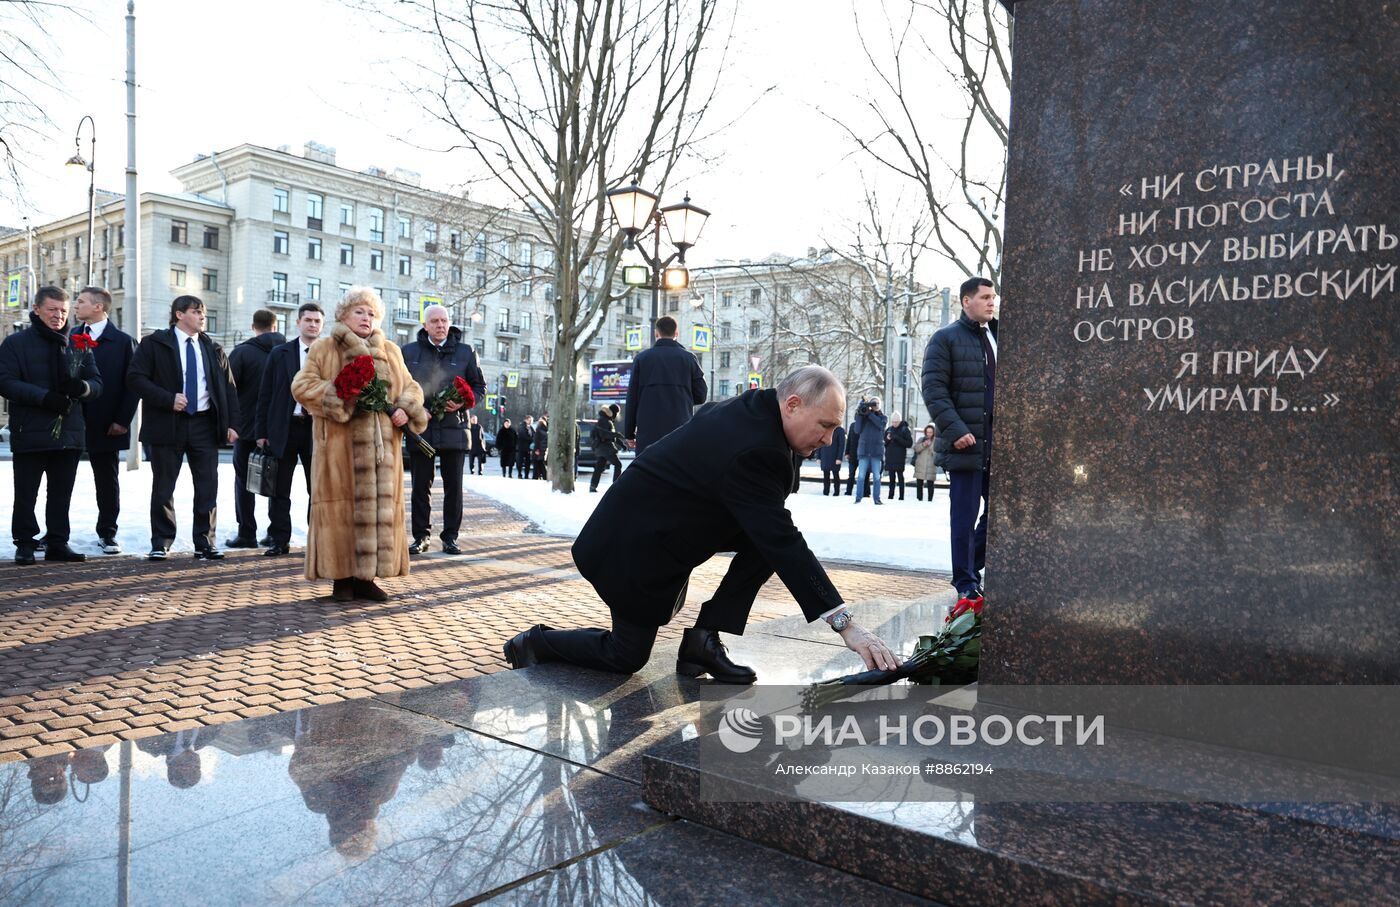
(357,512)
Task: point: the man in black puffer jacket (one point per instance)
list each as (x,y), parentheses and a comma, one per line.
(959,384)
(247,362)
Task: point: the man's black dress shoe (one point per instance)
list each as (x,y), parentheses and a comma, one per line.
(158,554)
(208,554)
(701,652)
(419,546)
(62,553)
(24,556)
(240,541)
(525,649)
(265,541)
(450,548)
(277,551)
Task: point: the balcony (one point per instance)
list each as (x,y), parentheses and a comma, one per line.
(507,330)
(313,223)
(282,297)
(430,248)
(596,342)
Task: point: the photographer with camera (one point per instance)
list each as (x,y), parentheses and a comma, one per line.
(869,428)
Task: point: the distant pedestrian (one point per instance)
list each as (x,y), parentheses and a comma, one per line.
(925,469)
(189,409)
(830,458)
(44,375)
(870,446)
(959,386)
(539,455)
(506,441)
(665,387)
(108,416)
(247,361)
(282,426)
(898,440)
(476,447)
(606,442)
(525,447)
(852,456)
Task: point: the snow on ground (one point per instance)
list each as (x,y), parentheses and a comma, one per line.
(909,534)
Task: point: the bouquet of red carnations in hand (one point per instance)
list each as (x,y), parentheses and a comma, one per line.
(357,381)
(459,391)
(81,344)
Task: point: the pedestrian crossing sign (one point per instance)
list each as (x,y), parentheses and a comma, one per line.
(423,303)
(512,379)
(755,380)
(634,338)
(700,338)
(12,292)
(490,403)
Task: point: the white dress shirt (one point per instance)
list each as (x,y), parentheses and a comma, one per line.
(299,410)
(95,329)
(202,381)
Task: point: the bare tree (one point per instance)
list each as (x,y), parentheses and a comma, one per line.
(26,45)
(961,173)
(557,101)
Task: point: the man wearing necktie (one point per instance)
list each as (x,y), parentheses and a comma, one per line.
(959,386)
(282,426)
(189,407)
(107,415)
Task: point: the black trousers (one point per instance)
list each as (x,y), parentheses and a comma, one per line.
(626,647)
(896,475)
(600,463)
(507,465)
(196,440)
(831,477)
(61,468)
(106,472)
(279,506)
(243,498)
(919,488)
(851,464)
(522,466)
(476,462)
(421,468)
(540,467)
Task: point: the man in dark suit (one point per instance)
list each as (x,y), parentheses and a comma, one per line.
(107,416)
(247,360)
(722,479)
(42,377)
(665,387)
(189,407)
(282,426)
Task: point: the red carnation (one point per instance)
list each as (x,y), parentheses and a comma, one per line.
(354,377)
(82,342)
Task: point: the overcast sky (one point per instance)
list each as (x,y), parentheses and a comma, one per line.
(274,72)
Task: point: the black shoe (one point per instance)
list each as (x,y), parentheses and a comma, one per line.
(40,545)
(450,548)
(158,554)
(110,546)
(368,589)
(276,550)
(343,590)
(702,652)
(265,541)
(208,554)
(240,541)
(24,556)
(63,553)
(419,546)
(525,649)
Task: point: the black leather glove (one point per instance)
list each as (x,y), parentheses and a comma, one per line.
(74,387)
(56,402)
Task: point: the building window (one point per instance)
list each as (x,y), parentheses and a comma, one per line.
(724,360)
(525,320)
(755,328)
(726,299)
(313,288)
(456,241)
(430,269)
(177,275)
(376,224)
(78,248)
(724,387)
(313,249)
(430,232)
(347,214)
(725,330)
(211,281)
(405,266)
(456,275)
(343,287)
(405,307)
(211,323)
(314,203)
(281,200)
(503,322)
(347,254)
(525,387)
(755,296)
(479,248)
(179,233)
(673,302)
(279,287)
(119,279)
(376,259)
(481,280)
(525,353)
(281,243)
(211,237)
(503,350)
(405,228)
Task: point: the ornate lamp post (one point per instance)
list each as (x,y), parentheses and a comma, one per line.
(635,210)
(77,161)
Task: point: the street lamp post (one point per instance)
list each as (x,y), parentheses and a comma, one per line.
(77,161)
(634,210)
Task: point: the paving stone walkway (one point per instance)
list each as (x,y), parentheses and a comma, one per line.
(118,648)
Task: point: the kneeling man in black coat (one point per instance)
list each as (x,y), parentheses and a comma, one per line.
(717,483)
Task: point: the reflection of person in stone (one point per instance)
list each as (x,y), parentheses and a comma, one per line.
(721,479)
(959,385)
(48,778)
(182,762)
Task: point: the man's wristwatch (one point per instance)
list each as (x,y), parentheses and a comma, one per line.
(841,620)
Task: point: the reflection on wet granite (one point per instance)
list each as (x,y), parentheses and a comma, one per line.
(898,622)
(354,803)
(689,864)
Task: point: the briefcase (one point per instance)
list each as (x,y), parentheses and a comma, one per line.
(262,473)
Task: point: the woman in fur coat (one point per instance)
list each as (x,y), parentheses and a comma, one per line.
(357,529)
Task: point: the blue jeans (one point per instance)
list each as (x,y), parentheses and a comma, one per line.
(871,467)
(967,498)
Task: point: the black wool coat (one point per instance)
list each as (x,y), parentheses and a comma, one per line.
(830,455)
(525,441)
(33,362)
(665,387)
(717,483)
(897,444)
(156,377)
(116,405)
(247,361)
(434,368)
(273,417)
(954,386)
(604,437)
(505,444)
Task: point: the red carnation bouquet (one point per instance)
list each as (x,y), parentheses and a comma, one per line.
(357,381)
(81,344)
(459,391)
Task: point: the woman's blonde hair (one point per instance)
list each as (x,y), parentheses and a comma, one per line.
(360,296)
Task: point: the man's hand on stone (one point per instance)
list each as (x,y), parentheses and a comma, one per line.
(869,647)
(965,441)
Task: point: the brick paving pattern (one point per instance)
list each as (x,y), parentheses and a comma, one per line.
(119,648)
